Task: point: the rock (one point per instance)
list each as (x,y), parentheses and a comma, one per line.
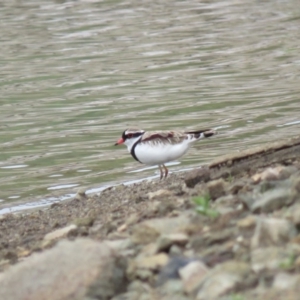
(171,269)
(149,230)
(268,174)
(88,221)
(216,188)
(296,185)
(273,200)
(277,173)
(122,228)
(223,279)
(286,281)
(196,176)
(120,245)
(296,214)
(160,194)
(271,232)
(198,242)
(152,262)
(192,275)
(172,289)
(227,200)
(81,195)
(239,185)
(247,223)
(165,241)
(136,290)
(80,268)
(60,233)
(271,258)
(159,207)
(143,266)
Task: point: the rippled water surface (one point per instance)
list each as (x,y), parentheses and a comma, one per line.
(75,74)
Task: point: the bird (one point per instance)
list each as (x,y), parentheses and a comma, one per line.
(160,147)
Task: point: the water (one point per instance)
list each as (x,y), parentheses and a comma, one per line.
(75,74)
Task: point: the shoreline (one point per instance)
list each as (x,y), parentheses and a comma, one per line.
(153,225)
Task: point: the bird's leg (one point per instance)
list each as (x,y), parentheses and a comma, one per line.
(166,171)
(161,172)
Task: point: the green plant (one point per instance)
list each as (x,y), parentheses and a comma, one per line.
(230,178)
(288,263)
(203,206)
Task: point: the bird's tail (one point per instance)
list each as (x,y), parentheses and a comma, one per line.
(199,134)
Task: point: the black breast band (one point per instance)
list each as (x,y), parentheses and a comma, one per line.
(132,151)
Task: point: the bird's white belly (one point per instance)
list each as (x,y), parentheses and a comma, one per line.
(156,154)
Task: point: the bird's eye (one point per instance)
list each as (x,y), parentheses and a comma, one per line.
(130,135)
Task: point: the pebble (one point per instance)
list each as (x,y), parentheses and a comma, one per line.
(165,241)
(285,281)
(223,279)
(196,176)
(60,233)
(149,230)
(216,188)
(296,214)
(270,259)
(160,194)
(272,232)
(192,275)
(143,266)
(277,173)
(272,200)
(247,223)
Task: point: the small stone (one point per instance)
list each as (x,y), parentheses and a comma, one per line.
(192,275)
(143,267)
(172,288)
(228,200)
(268,175)
(144,234)
(277,173)
(196,176)
(296,185)
(160,194)
(22,252)
(122,228)
(297,263)
(223,279)
(247,223)
(273,200)
(238,185)
(285,281)
(170,270)
(164,242)
(132,219)
(271,231)
(269,259)
(60,233)
(256,177)
(296,214)
(149,230)
(88,221)
(119,245)
(81,195)
(216,188)
(175,250)
(152,262)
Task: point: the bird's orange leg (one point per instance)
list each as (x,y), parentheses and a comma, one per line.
(166,171)
(161,172)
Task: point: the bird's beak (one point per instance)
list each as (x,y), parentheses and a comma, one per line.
(119,142)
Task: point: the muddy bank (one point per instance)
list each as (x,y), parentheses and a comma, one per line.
(229,230)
